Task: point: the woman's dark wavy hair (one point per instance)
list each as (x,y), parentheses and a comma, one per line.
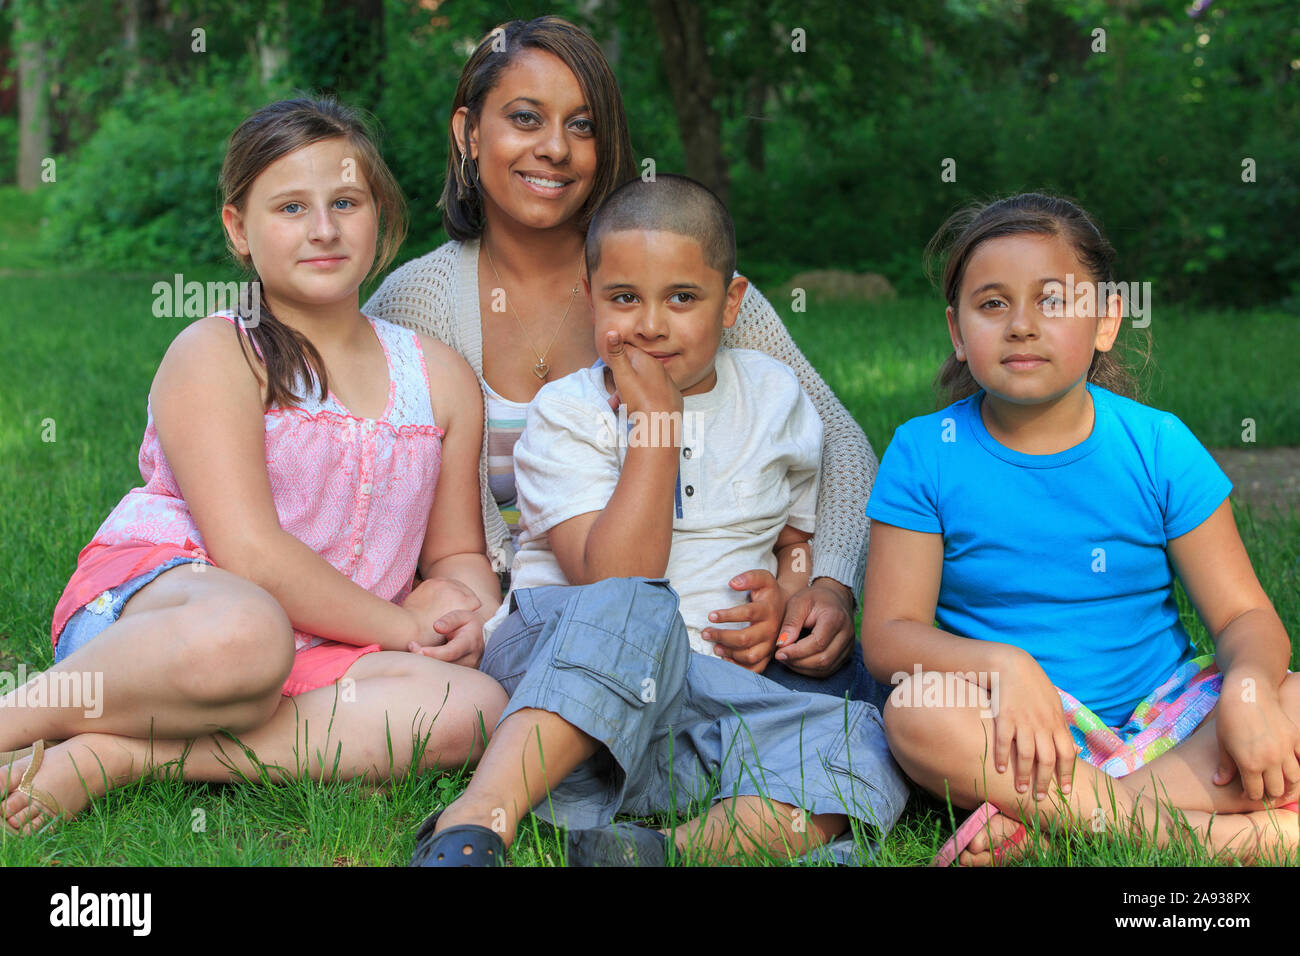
(272,132)
(1034,214)
(461,202)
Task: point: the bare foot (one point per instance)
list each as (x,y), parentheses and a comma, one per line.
(71,775)
(998,843)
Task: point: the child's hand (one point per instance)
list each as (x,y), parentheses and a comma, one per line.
(461,639)
(642,382)
(434,598)
(751,647)
(1031,716)
(1258,741)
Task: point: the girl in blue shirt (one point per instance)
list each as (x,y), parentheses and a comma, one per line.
(1040,519)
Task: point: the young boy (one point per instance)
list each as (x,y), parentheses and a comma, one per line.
(669,461)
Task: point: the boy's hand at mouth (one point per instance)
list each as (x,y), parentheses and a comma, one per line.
(640,380)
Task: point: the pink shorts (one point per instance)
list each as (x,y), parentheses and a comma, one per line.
(322,665)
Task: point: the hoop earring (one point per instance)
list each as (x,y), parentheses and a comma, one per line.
(463,178)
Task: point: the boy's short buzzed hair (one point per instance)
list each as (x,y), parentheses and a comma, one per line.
(668,203)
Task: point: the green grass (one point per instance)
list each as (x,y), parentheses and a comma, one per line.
(81,351)
(20,225)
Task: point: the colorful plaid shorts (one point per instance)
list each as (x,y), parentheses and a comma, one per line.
(1166,717)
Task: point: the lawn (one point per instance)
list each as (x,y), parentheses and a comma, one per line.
(82,349)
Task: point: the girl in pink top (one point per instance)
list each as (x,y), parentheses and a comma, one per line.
(290,460)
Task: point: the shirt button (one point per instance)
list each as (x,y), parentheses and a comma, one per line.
(690,490)
(356,549)
(686,453)
(365,488)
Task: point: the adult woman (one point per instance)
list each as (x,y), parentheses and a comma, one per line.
(538,138)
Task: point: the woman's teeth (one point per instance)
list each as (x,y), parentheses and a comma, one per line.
(548,183)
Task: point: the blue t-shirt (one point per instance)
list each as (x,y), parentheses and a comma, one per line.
(1062,555)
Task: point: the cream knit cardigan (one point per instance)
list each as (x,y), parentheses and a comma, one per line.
(438,294)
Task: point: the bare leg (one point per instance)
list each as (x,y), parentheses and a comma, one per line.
(948,751)
(734,828)
(191,653)
(408,713)
(1186,773)
(530,755)
(534,750)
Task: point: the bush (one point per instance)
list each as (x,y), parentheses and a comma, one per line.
(142,192)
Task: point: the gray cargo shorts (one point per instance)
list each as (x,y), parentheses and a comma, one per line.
(613,659)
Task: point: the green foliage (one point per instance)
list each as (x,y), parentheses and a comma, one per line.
(142,192)
(835,148)
(1149,136)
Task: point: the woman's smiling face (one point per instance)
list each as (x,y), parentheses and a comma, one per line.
(534,145)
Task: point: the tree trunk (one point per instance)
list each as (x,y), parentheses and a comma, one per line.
(681,38)
(33,99)
(272,42)
(131,43)
(605,30)
(362,59)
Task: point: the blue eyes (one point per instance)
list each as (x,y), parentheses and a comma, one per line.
(292,208)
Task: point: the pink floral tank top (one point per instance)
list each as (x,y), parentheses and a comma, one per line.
(357,491)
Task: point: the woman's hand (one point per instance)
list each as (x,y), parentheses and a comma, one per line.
(1257,741)
(1030,716)
(825,607)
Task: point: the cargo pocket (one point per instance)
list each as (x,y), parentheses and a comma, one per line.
(623,668)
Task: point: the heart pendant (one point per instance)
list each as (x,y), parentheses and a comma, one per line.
(540,369)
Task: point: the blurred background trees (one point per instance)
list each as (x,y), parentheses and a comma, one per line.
(827,125)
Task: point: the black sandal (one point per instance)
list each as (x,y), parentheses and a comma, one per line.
(465,845)
(619,844)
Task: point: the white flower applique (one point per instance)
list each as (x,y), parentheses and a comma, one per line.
(101,604)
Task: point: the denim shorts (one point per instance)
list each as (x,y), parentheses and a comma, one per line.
(92,619)
(613,659)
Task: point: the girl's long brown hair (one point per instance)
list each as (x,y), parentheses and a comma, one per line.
(1037,214)
(462,202)
(270,133)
